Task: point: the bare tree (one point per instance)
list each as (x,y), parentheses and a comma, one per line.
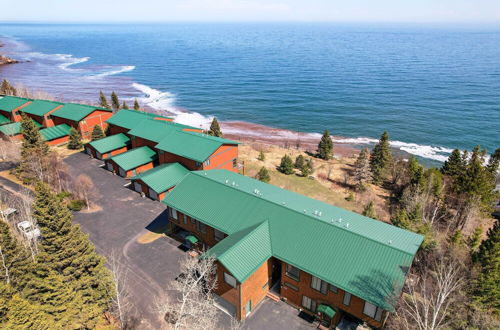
(428,298)
(120,296)
(9,151)
(6,269)
(193,308)
(84,188)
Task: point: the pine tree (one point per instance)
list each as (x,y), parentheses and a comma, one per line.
(97,133)
(115,102)
(487,291)
(306,169)
(362,174)
(215,128)
(75,139)
(103,102)
(299,162)
(475,239)
(325,146)
(263,175)
(494,162)
(261,156)
(381,159)
(454,166)
(416,172)
(369,211)
(67,251)
(32,139)
(124,106)
(286,165)
(23,314)
(15,259)
(136,105)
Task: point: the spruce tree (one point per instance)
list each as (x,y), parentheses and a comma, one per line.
(369,211)
(15,258)
(32,139)
(263,175)
(381,159)
(362,174)
(494,162)
(136,105)
(475,239)
(67,251)
(325,146)
(416,172)
(261,156)
(23,314)
(215,128)
(454,166)
(487,291)
(306,169)
(103,102)
(97,133)
(286,165)
(75,139)
(299,162)
(124,106)
(115,102)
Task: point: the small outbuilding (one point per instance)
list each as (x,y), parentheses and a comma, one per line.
(156,183)
(132,162)
(56,135)
(108,147)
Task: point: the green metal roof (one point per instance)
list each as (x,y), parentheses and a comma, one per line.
(55,132)
(154,130)
(14,128)
(4,120)
(244,251)
(111,143)
(76,112)
(163,177)
(131,118)
(40,107)
(192,145)
(9,103)
(363,256)
(134,158)
(192,239)
(326,310)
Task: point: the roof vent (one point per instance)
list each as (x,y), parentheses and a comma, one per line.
(390,242)
(305,211)
(347,225)
(234,183)
(283,203)
(227,181)
(340,220)
(315,212)
(319,213)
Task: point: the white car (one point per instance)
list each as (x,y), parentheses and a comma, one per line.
(28,230)
(8,212)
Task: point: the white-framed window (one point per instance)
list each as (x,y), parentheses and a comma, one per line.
(207,162)
(333,288)
(319,285)
(372,311)
(292,272)
(309,304)
(235,163)
(218,235)
(230,280)
(173,213)
(201,227)
(347,299)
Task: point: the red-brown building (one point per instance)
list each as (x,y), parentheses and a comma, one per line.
(132,162)
(125,120)
(10,106)
(159,181)
(40,111)
(109,146)
(329,262)
(56,135)
(81,117)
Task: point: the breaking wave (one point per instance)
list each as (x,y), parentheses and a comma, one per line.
(125,68)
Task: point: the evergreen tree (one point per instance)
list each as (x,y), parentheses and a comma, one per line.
(306,169)
(7,89)
(299,162)
(103,102)
(136,105)
(75,139)
(310,165)
(124,106)
(416,172)
(286,165)
(15,259)
(261,156)
(362,174)
(494,162)
(454,166)
(475,239)
(215,128)
(97,133)
(369,211)
(325,146)
(115,102)
(381,159)
(24,314)
(68,252)
(487,291)
(263,175)
(32,139)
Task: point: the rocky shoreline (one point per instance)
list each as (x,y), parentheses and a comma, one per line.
(5,59)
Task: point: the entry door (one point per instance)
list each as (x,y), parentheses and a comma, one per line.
(122,172)
(153,194)
(137,186)
(98,155)
(87,150)
(109,166)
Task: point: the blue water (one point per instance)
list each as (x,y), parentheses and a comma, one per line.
(432,88)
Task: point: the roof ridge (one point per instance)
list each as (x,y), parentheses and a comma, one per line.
(251,231)
(305,214)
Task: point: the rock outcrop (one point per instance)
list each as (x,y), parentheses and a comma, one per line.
(7,60)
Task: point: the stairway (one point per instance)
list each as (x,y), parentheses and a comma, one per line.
(272,296)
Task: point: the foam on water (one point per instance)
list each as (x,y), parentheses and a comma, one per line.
(122,69)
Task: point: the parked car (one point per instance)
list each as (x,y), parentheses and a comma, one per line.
(8,212)
(28,230)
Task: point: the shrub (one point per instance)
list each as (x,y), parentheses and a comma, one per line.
(76,204)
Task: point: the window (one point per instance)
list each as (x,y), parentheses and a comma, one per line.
(201,227)
(184,219)
(235,163)
(197,164)
(248,308)
(207,162)
(291,286)
(309,304)
(292,272)
(372,311)
(193,221)
(218,235)
(230,280)
(347,299)
(319,285)
(173,213)
(333,288)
